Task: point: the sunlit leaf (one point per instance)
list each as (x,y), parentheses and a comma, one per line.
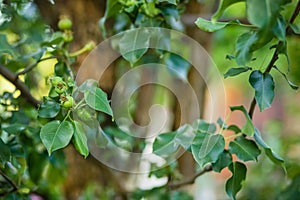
(244,149)
(223,5)
(206,148)
(56,135)
(211,26)
(262,13)
(97,99)
(248,128)
(292,85)
(80,140)
(273,156)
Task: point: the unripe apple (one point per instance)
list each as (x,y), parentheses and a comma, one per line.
(65,24)
(67,101)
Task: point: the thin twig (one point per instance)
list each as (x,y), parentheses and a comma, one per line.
(295,13)
(275,56)
(30,67)
(188,181)
(13,78)
(13,184)
(69,68)
(252,107)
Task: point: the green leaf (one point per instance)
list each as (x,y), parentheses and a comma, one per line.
(134,44)
(248,128)
(202,126)
(49,109)
(279,28)
(5,46)
(234,128)
(164,144)
(263,85)
(97,99)
(112,7)
(221,123)
(56,135)
(15,128)
(168,143)
(262,13)
(223,161)
(185,136)
(223,5)
(5,154)
(295,28)
(236,71)
(243,47)
(169,1)
(282,49)
(212,26)
(234,183)
(206,148)
(60,68)
(177,65)
(292,85)
(244,149)
(88,85)
(273,156)
(80,140)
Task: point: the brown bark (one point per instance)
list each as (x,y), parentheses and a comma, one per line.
(186,161)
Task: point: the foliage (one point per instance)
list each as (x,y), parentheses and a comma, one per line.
(33,132)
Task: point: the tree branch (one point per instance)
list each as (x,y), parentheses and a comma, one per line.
(14,186)
(275,56)
(13,78)
(191,180)
(30,67)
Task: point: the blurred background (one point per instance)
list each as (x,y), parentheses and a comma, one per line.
(88,178)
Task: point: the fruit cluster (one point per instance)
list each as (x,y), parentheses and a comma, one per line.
(61,88)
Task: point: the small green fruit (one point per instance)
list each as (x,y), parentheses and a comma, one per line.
(68,103)
(68,36)
(56,80)
(65,24)
(60,88)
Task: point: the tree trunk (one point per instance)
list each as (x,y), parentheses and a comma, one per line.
(194,9)
(84,15)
